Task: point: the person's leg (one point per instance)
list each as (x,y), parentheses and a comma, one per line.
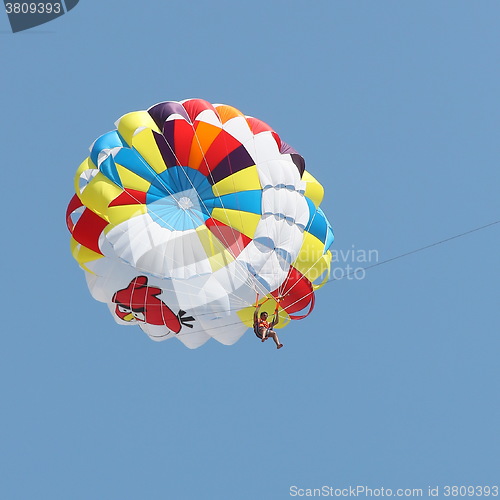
(263,333)
(274,336)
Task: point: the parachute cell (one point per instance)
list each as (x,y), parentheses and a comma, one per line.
(186,212)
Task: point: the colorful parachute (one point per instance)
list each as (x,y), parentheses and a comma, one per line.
(190,213)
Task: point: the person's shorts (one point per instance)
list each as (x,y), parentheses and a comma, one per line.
(259,334)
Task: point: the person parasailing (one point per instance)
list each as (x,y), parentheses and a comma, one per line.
(262,328)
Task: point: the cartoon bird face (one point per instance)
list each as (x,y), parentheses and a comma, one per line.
(127,314)
(140,303)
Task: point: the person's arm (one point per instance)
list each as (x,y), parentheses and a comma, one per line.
(276,319)
(256,315)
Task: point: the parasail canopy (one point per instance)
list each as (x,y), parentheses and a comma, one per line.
(188,213)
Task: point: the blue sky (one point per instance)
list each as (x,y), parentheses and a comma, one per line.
(393,381)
